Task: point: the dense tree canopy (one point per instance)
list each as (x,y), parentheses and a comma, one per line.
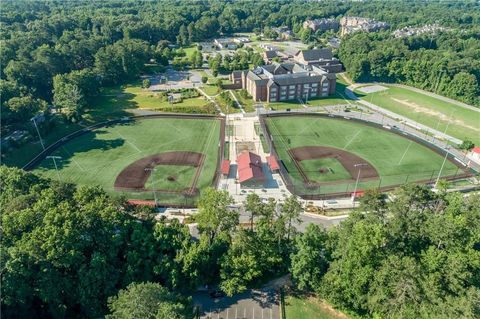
(419,260)
(65,250)
(448,64)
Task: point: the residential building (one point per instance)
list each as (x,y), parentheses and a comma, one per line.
(286,81)
(250,172)
(269,47)
(354,24)
(319,57)
(412,31)
(225,44)
(241,40)
(284,33)
(268,56)
(321,24)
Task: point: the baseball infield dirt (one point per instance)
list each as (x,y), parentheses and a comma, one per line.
(135,175)
(347,159)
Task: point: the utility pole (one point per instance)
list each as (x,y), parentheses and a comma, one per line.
(38,132)
(55,163)
(360,165)
(152,169)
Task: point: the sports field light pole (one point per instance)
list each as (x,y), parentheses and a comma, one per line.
(360,165)
(441,168)
(153,181)
(55,163)
(38,132)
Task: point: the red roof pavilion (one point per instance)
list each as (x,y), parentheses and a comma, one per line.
(476,149)
(249,167)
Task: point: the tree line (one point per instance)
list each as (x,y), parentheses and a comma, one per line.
(77,252)
(447,64)
(63,53)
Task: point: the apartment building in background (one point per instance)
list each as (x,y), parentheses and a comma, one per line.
(321,24)
(354,24)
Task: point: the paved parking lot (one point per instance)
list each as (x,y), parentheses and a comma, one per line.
(253,304)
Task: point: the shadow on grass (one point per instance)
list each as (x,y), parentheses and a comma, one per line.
(112,105)
(88,142)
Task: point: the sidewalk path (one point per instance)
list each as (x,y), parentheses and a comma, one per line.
(236,101)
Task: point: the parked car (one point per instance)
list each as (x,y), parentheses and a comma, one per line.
(217,294)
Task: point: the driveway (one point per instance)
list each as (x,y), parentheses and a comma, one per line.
(253,304)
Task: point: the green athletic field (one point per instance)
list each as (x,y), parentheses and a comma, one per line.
(429,111)
(396,159)
(97,157)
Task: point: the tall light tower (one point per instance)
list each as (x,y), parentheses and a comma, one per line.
(153,169)
(360,165)
(55,163)
(441,168)
(38,132)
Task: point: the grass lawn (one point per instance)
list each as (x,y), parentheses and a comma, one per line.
(334,99)
(96,158)
(189,50)
(210,89)
(134,96)
(172,177)
(396,159)
(281,106)
(302,307)
(333,170)
(247,103)
(430,111)
(226,109)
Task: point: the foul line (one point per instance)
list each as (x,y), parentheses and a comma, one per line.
(405,153)
(73,159)
(133,145)
(351,140)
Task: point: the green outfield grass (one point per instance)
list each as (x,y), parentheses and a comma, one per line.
(397,159)
(430,111)
(96,158)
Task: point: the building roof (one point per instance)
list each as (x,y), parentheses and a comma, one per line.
(225,167)
(270,54)
(476,149)
(249,167)
(316,54)
(272,163)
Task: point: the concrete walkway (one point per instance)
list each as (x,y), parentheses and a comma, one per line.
(211,99)
(236,101)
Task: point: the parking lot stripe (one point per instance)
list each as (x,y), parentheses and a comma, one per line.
(236,310)
(271,314)
(227,313)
